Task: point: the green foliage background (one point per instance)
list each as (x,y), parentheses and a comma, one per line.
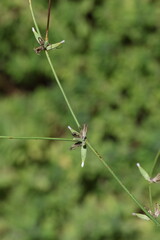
(109,67)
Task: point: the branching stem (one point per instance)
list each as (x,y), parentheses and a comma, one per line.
(89,145)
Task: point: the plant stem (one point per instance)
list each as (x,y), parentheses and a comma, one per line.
(121,184)
(48,20)
(150,197)
(37,138)
(61,88)
(33,17)
(154,164)
(149,186)
(52,68)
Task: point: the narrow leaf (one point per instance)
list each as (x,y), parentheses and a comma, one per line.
(74,133)
(141,216)
(143,172)
(37,35)
(54,46)
(83,153)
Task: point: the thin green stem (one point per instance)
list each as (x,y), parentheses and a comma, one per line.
(33,17)
(61,88)
(149,186)
(121,184)
(150,197)
(154,163)
(53,71)
(37,138)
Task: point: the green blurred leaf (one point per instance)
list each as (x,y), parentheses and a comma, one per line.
(143,172)
(141,216)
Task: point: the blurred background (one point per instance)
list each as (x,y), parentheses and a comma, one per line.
(109,68)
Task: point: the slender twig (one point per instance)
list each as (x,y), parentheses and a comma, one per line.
(150,197)
(34,20)
(149,186)
(154,163)
(61,88)
(48,20)
(37,138)
(53,71)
